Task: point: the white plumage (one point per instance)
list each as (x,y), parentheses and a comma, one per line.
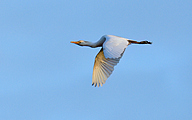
(114,46)
(111,52)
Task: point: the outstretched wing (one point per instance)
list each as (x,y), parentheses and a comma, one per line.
(114,46)
(103,68)
(107,58)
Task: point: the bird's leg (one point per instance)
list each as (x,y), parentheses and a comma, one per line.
(142,42)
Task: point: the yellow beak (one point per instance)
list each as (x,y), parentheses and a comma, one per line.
(76,42)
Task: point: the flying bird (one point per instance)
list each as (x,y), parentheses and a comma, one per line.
(111,52)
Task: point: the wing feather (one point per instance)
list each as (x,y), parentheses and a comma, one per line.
(103,68)
(114,46)
(110,54)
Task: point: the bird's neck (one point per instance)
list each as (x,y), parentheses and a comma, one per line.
(96,44)
(89,44)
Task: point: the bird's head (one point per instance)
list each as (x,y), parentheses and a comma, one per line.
(81,42)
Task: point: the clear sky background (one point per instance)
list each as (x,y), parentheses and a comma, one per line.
(45,77)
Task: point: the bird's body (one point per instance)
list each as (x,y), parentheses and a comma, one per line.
(111,52)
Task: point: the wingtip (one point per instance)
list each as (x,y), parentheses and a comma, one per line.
(95,85)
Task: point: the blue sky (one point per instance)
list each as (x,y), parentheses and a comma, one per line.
(45,77)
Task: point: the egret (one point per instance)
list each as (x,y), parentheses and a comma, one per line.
(111,52)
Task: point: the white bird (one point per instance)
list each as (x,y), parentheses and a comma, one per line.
(111,52)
